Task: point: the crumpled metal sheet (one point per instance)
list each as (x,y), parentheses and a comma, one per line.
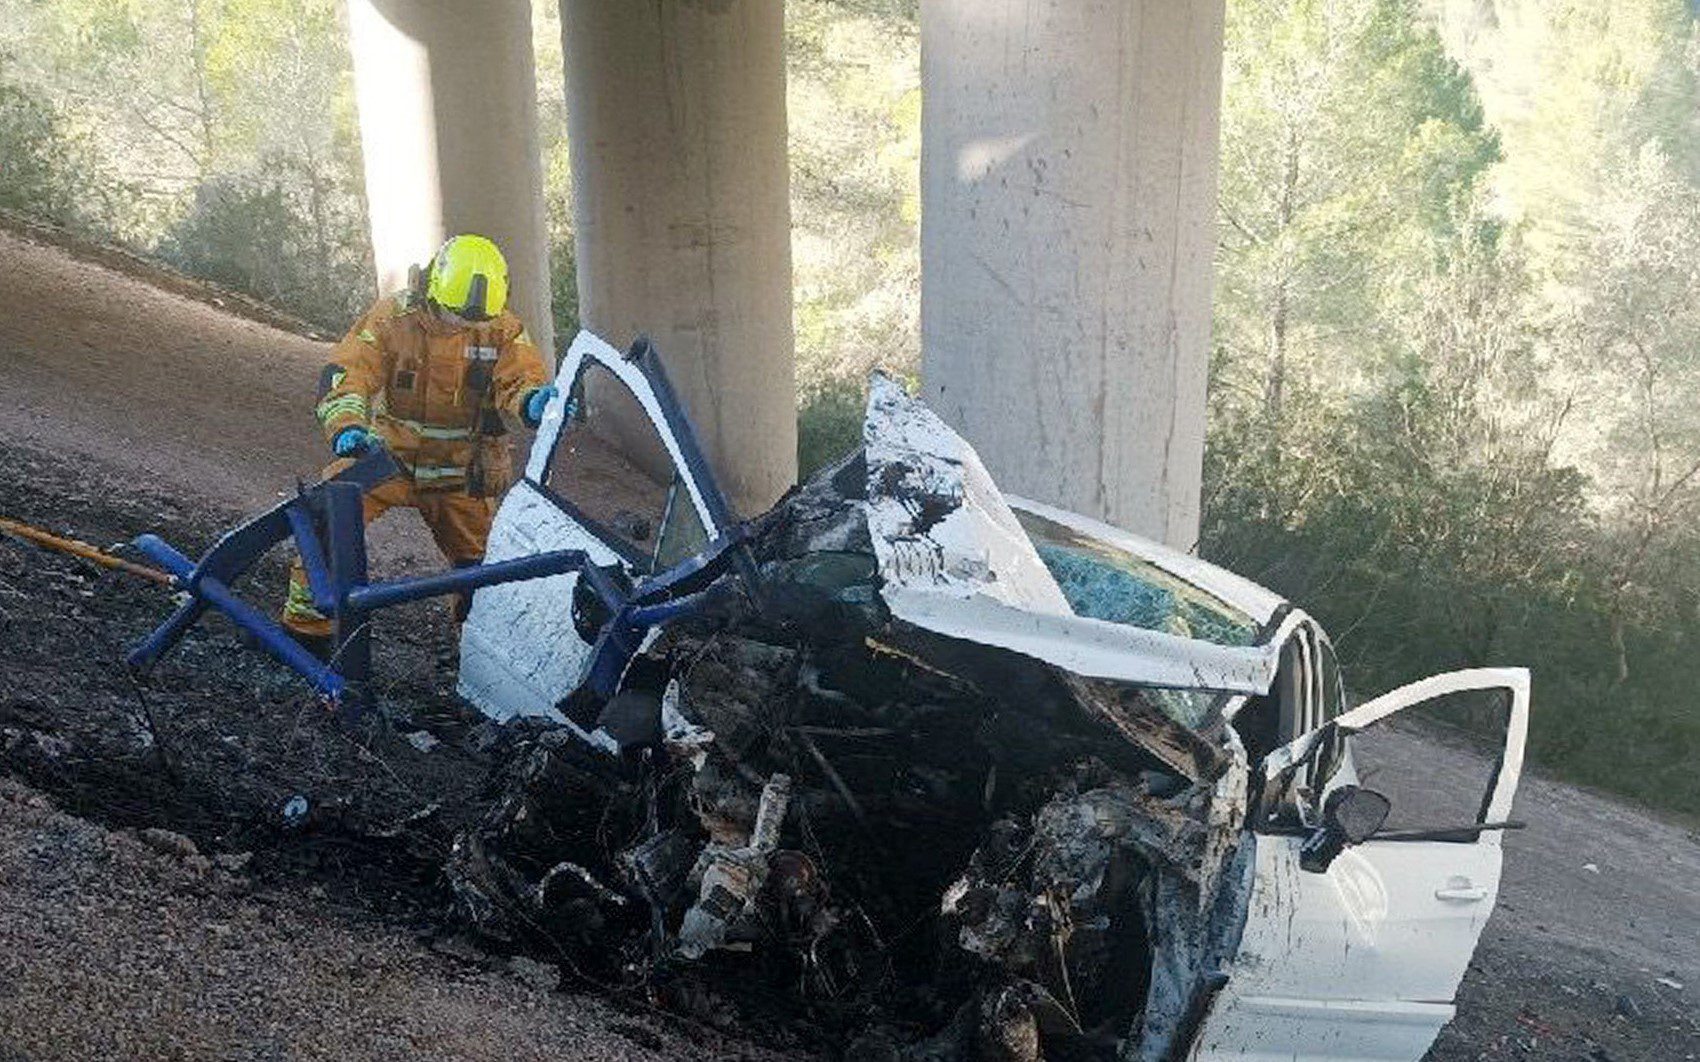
(1196,921)
(538,863)
(1050,901)
(953,559)
(940,528)
(1131,713)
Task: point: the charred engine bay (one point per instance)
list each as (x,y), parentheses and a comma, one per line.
(921,847)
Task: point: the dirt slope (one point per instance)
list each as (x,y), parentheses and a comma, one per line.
(115,948)
(153,384)
(169,391)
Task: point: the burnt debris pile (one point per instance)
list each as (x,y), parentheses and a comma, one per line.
(921,847)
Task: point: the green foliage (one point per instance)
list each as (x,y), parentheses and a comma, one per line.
(557,169)
(231,124)
(255,237)
(48,171)
(36,178)
(829,423)
(854,101)
(563,290)
(1463,434)
(1350,146)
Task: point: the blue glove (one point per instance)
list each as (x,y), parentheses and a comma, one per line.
(536,401)
(352,442)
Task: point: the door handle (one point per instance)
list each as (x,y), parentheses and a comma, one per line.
(1460,890)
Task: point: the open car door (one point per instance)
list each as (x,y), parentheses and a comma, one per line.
(621,479)
(1361,960)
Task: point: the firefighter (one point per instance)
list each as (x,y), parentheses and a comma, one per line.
(430,373)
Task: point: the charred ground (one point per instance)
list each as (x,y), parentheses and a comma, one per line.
(217,741)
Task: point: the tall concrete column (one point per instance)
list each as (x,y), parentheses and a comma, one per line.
(447,96)
(676,121)
(1069,161)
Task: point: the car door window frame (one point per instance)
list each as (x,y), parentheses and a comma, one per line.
(627,548)
(639,371)
(1496,801)
(669,515)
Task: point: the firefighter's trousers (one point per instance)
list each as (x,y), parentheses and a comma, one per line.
(459,522)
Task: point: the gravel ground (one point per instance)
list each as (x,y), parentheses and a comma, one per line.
(219,738)
(1593,951)
(126,947)
(335,940)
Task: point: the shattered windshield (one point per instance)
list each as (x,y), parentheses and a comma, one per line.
(1104,582)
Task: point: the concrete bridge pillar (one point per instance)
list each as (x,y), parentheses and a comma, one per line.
(1068,167)
(676,121)
(447,97)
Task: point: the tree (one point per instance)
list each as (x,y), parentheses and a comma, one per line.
(1349,143)
(46,168)
(232,122)
(1633,334)
(854,103)
(1576,87)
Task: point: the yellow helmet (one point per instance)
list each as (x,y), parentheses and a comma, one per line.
(469,278)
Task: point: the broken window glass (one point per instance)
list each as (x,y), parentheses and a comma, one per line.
(682,534)
(1187,707)
(611,471)
(1104,582)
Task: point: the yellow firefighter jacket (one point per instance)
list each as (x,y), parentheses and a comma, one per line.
(436,392)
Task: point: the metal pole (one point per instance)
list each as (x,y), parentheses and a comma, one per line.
(345,521)
(271,638)
(75,548)
(383,595)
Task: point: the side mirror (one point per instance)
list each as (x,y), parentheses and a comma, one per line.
(1351,816)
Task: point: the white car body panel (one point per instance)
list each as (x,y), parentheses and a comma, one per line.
(589,347)
(976,550)
(1363,960)
(1329,1031)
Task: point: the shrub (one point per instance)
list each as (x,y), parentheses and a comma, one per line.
(829,422)
(252,236)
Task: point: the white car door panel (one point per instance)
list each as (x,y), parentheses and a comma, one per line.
(1271,1029)
(520,651)
(1362,961)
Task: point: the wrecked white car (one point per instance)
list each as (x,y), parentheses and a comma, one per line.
(956,774)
